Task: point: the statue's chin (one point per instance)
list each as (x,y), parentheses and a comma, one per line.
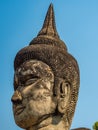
(25,120)
(26,123)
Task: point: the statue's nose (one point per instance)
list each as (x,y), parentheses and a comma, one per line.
(17,97)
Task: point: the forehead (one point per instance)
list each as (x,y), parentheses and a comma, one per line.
(35,67)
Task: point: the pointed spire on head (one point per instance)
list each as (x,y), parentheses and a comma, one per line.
(48,34)
(49,26)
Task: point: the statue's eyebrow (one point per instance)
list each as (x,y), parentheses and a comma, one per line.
(26,72)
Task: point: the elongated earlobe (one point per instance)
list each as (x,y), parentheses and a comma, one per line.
(64,96)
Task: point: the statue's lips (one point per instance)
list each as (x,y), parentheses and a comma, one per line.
(18,110)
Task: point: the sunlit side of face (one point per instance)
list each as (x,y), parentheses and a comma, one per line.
(33,96)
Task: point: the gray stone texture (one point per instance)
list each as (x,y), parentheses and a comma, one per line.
(46,81)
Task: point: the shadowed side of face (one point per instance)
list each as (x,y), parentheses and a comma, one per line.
(33,96)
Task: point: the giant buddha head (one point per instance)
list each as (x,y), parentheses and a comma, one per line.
(46,81)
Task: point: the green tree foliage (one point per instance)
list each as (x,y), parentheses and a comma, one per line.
(95,126)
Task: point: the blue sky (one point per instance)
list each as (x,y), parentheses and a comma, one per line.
(77,25)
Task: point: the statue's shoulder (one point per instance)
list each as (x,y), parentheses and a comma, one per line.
(81,128)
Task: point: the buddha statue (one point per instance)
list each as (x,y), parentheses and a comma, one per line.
(46,81)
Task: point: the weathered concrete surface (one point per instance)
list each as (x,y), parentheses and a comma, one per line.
(46,81)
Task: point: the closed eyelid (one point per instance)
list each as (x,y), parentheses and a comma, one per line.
(31,81)
(27,77)
(21,79)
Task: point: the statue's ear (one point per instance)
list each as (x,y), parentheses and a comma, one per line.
(64,95)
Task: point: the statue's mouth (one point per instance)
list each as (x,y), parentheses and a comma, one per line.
(18,110)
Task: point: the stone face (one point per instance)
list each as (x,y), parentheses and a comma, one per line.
(35,79)
(46,81)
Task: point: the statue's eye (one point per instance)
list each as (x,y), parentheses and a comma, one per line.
(31,81)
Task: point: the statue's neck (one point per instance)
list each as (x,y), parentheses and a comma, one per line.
(51,123)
